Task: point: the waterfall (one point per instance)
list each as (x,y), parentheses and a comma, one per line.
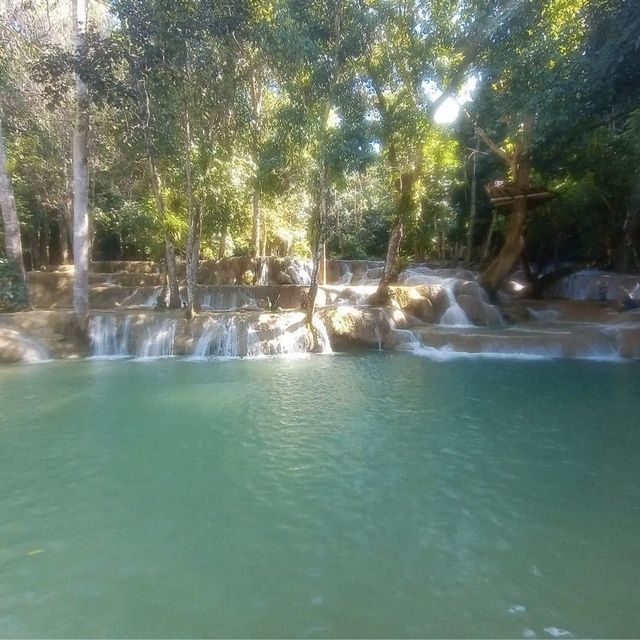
(207,301)
(230,343)
(346,275)
(152,300)
(106,338)
(253,343)
(219,337)
(225,298)
(454,316)
(300,271)
(581,285)
(263,275)
(160,340)
(123,344)
(323,336)
(378,336)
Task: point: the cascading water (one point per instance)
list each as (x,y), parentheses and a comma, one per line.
(253,343)
(107,338)
(454,316)
(221,298)
(585,285)
(323,336)
(152,300)
(300,271)
(219,337)
(346,275)
(160,340)
(263,274)
(287,340)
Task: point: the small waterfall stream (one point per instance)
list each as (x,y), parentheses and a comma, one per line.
(263,274)
(228,335)
(300,271)
(454,316)
(218,338)
(107,339)
(160,340)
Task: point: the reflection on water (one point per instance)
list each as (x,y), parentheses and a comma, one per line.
(353,496)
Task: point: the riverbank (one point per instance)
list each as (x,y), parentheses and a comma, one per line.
(438,312)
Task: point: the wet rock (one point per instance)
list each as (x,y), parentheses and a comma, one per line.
(16,347)
(400,340)
(479,312)
(421,308)
(283,278)
(395,318)
(347,325)
(294,276)
(440,304)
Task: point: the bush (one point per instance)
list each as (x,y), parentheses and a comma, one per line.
(13,292)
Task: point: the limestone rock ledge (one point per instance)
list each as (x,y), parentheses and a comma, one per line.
(39,335)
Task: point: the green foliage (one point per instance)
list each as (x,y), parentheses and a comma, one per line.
(13,293)
(324,117)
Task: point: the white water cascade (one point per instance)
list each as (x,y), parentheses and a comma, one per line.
(219,337)
(253,343)
(300,271)
(323,336)
(160,340)
(107,339)
(263,274)
(454,316)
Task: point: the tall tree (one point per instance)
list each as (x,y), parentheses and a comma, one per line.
(80,172)
(12,239)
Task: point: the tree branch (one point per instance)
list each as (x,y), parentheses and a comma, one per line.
(495,149)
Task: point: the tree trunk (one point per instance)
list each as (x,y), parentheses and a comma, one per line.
(313,289)
(195,224)
(66,216)
(63,231)
(391,265)
(43,238)
(263,251)
(255,94)
(170,252)
(175,302)
(255,238)
(34,249)
(502,265)
(321,213)
(472,210)
(223,241)
(80,177)
(392,262)
(193,258)
(12,239)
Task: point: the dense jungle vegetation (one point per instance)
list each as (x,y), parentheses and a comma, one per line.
(206,129)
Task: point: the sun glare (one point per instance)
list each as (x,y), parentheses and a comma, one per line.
(447,112)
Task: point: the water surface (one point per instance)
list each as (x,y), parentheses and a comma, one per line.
(367,495)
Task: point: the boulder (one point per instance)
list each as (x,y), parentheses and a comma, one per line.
(348,325)
(283,278)
(16,347)
(422,309)
(479,313)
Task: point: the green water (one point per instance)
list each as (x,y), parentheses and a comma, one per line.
(344,496)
